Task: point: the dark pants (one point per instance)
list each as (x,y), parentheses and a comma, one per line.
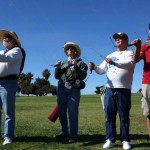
(117,100)
(68,103)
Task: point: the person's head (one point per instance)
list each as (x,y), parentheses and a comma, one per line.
(9,39)
(148,38)
(121,40)
(72,50)
(148,41)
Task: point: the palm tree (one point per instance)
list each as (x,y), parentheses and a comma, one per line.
(46,74)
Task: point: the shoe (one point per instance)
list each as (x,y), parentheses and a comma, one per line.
(72,141)
(61,136)
(7,141)
(108,144)
(126,145)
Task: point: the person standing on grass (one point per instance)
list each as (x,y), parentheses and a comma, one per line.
(70,75)
(144,54)
(11,64)
(119,67)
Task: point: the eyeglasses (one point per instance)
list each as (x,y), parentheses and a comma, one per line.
(120,39)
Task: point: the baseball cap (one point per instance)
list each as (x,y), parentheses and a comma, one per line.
(120,35)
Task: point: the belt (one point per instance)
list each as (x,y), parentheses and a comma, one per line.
(63,82)
(9,77)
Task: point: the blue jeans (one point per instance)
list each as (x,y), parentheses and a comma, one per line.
(70,103)
(7,101)
(117,100)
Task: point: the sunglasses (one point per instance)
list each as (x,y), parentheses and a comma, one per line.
(120,38)
(8,37)
(70,48)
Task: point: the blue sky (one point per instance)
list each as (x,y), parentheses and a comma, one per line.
(43,27)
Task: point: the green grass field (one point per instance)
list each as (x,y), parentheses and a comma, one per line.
(35,132)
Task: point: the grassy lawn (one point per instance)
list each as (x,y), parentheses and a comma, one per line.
(35,132)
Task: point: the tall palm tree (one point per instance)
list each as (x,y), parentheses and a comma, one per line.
(46,74)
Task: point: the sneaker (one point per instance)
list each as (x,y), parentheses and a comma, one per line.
(7,141)
(72,141)
(108,144)
(126,145)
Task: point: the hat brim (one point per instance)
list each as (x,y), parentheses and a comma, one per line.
(78,50)
(4,33)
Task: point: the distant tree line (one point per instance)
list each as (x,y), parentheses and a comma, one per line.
(40,87)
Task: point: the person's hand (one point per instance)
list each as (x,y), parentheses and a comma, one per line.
(74,62)
(136,42)
(148,42)
(91,66)
(58,64)
(108,60)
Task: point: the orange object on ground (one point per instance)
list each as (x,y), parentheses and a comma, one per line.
(53,115)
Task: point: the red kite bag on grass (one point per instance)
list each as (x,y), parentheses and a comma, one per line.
(53,115)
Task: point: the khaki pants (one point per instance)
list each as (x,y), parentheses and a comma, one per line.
(146,99)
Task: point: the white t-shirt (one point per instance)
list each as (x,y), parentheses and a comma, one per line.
(120,75)
(10,62)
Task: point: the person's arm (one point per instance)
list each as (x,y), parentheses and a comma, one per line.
(137,54)
(101,69)
(126,63)
(59,71)
(12,55)
(140,54)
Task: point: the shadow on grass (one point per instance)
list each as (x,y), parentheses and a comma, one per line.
(88,140)
(143,143)
(100,139)
(94,139)
(146,146)
(43,139)
(91,139)
(40,139)
(139,137)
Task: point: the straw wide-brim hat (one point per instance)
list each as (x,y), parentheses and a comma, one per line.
(10,33)
(68,44)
